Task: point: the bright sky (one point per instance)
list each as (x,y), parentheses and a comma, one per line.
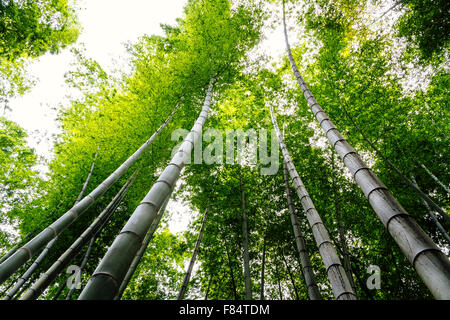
(107,24)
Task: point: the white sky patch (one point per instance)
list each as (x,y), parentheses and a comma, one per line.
(106,26)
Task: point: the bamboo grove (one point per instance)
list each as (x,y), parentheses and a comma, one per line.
(349,171)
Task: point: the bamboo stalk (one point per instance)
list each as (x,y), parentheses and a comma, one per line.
(342,240)
(308,273)
(140,253)
(433,216)
(233,283)
(247,279)
(430,263)
(439,182)
(106,280)
(83,264)
(187,276)
(27,251)
(261,295)
(290,275)
(340,284)
(77,245)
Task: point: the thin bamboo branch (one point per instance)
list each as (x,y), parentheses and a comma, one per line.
(433,216)
(308,273)
(439,182)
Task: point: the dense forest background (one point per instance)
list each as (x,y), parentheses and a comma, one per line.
(382,78)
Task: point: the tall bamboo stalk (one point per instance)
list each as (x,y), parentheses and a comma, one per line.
(308,273)
(83,264)
(24,278)
(246,256)
(27,251)
(277,272)
(233,283)
(187,276)
(430,263)
(336,273)
(51,274)
(60,290)
(439,182)
(433,217)
(106,280)
(209,286)
(86,182)
(290,275)
(261,294)
(140,253)
(342,240)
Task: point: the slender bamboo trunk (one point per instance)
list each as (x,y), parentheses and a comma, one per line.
(187,276)
(83,189)
(233,283)
(405,179)
(22,290)
(51,274)
(279,281)
(433,217)
(361,281)
(439,182)
(9,286)
(60,290)
(140,253)
(209,286)
(27,251)
(105,282)
(27,237)
(83,264)
(261,295)
(247,279)
(24,278)
(430,263)
(336,273)
(290,276)
(308,273)
(342,240)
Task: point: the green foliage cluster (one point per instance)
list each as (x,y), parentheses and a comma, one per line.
(29,29)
